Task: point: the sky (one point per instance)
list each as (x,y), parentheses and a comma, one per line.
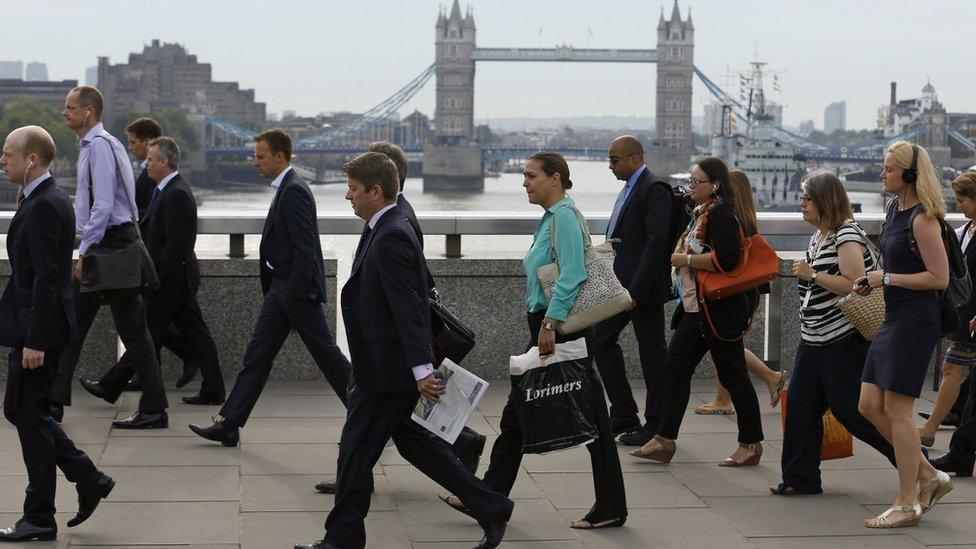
(314,56)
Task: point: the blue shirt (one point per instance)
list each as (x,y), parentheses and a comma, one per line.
(569,254)
(33,184)
(629,186)
(102,160)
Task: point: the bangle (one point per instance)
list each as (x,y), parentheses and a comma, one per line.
(689,260)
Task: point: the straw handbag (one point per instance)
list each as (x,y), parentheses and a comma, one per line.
(837,443)
(865,312)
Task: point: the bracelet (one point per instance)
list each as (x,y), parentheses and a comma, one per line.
(689,260)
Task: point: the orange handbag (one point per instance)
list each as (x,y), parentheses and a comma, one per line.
(758,264)
(837,443)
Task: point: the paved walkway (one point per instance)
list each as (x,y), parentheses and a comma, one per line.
(176,489)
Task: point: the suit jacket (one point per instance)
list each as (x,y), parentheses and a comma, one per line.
(385,308)
(642,264)
(407,210)
(290,242)
(169,230)
(37,309)
(144,187)
(967,311)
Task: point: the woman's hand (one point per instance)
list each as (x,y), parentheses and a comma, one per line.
(875,278)
(802,270)
(679,260)
(972,324)
(546,340)
(860,288)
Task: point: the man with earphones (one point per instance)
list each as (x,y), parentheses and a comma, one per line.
(104,211)
(37,320)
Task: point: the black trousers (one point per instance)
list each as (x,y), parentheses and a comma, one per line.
(608,480)
(129,316)
(962,446)
(173,340)
(371,420)
(648,323)
(280,313)
(175,306)
(824,376)
(44,444)
(689,343)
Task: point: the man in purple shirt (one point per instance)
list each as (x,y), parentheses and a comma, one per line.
(104,209)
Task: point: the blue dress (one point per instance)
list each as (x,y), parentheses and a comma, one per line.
(900,354)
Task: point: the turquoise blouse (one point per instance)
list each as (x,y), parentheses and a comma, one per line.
(569,251)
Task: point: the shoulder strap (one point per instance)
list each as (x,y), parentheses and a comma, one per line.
(128,198)
(872,249)
(587,241)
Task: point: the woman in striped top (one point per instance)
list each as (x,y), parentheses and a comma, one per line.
(830,357)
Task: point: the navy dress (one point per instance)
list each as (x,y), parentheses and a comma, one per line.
(900,354)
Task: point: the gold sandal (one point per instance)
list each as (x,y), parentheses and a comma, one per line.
(712,410)
(774,395)
(882,521)
(945,486)
(756,449)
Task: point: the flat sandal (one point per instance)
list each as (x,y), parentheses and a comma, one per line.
(883,521)
(612,523)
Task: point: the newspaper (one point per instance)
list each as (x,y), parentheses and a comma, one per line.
(462,392)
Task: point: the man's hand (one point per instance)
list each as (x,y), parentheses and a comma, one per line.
(32,358)
(431,387)
(78,268)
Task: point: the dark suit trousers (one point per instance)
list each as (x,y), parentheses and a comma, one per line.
(962,446)
(280,313)
(43,442)
(824,376)
(129,316)
(608,481)
(648,323)
(689,343)
(165,308)
(371,419)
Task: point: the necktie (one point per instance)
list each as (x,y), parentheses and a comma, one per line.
(21,197)
(617,206)
(152,197)
(362,240)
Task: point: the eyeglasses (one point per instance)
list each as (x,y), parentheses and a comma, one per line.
(68,107)
(692,181)
(615,159)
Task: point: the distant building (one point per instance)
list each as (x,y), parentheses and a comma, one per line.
(807,127)
(49,93)
(415,130)
(713,119)
(165,76)
(11,70)
(91,76)
(835,117)
(36,72)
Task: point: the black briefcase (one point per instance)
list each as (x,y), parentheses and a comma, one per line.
(451,338)
(114,274)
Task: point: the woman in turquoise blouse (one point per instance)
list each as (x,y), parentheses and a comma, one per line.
(546,182)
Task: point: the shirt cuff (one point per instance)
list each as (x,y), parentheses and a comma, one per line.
(422,371)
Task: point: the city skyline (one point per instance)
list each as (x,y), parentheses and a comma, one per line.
(839,52)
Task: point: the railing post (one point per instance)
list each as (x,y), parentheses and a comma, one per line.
(236,245)
(452,245)
(774,324)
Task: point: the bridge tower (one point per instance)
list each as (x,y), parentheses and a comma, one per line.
(453,161)
(675,68)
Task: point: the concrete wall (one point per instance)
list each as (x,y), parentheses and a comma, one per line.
(453,168)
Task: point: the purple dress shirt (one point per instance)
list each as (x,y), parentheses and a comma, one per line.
(104,162)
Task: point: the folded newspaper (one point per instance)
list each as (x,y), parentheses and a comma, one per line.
(462,392)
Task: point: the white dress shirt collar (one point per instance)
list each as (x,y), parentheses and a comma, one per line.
(37,181)
(376,216)
(281,177)
(144,163)
(167,179)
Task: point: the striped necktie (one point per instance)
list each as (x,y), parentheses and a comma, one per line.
(617,206)
(21,197)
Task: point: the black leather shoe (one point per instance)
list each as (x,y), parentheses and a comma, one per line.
(624,424)
(56,411)
(949,464)
(637,437)
(190,370)
(89,497)
(218,432)
(25,531)
(203,399)
(472,455)
(494,531)
(134,384)
(952,419)
(98,390)
(326,486)
(140,420)
(320,544)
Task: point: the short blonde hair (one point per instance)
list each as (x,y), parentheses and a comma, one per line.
(927,186)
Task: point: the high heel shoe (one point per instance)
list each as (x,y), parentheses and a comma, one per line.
(882,521)
(660,455)
(756,448)
(945,486)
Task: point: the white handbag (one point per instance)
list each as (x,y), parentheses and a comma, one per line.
(601,295)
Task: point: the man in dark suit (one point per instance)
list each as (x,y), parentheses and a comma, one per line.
(169,230)
(387,319)
(470,444)
(642,221)
(140,132)
(293,282)
(37,319)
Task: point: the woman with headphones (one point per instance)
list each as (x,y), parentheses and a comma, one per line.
(899,356)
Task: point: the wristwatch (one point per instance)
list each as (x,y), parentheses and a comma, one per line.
(885,280)
(548,325)
(813,277)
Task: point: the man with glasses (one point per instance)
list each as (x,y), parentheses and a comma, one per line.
(104,210)
(642,222)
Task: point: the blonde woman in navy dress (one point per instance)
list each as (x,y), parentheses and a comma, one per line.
(899,355)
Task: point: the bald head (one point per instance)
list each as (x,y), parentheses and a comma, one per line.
(627,144)
(626,156)
(27,153)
